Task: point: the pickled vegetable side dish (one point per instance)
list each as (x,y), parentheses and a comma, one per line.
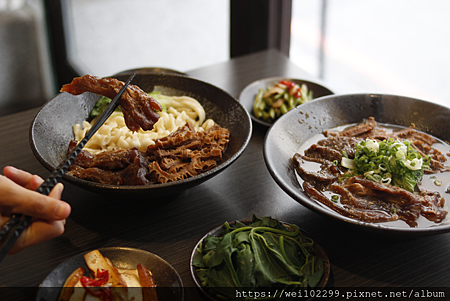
(279,98)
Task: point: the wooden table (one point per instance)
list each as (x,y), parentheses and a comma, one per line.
(170,228)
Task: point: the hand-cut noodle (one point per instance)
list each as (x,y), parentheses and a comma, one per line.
(114,134)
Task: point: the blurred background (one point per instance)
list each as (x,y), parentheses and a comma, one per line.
(376,46)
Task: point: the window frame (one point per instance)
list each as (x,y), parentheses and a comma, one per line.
(255,25)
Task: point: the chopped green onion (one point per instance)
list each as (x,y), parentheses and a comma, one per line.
(348,163)
(389,162)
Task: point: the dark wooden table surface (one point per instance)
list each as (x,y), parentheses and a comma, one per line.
(171,227)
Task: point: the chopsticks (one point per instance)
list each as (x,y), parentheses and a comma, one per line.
(14,227)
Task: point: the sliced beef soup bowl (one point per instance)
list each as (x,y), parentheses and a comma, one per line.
(303,157)
(53,129)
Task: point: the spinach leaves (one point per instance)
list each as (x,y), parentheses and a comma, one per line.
(265,254)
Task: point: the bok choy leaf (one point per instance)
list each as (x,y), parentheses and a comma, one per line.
(262,255)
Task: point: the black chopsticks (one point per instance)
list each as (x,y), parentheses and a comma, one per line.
(14,227)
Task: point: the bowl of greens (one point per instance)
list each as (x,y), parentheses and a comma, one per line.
(262,258)
(268,99)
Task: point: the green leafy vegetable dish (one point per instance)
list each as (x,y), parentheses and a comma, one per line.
(262,257)
(280,98)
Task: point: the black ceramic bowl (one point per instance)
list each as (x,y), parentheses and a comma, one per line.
(293,129)
(247,96)
(217,232)
(51,129)
(150,70)
(168,281)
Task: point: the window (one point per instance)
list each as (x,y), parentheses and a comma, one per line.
(108,36)
(375,46)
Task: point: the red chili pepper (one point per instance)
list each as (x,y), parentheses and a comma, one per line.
(102,277)
(287,83)
(298,94)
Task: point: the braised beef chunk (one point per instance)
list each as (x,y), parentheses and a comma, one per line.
(357,197)
(433,206)
(183,154)
(112,160)
(437,158)
(136,173)
(363,127)
(84,158)
(367,194)
(95,175)
(115,160)
(341,144)
(412,134)
(391,193)
(317,151)
(319,171)
(346,210)
(139,108)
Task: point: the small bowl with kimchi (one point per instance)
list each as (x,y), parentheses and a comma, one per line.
(268,99)
(188,134)
(371,161)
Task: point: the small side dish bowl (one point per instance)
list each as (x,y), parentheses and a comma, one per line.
(317,250)
(247,96)
(292,130)
(51,129)
(168,281)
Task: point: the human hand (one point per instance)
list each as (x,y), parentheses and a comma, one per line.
(18,195)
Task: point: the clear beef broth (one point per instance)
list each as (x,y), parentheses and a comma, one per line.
(439,181)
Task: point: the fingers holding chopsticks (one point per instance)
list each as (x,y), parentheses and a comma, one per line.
(17,195)
(23,178)
(27,201)
(39,231)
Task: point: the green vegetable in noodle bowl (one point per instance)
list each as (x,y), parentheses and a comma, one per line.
(104,101)
(101,105)
(389,162)
(278,99)
(263,255)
